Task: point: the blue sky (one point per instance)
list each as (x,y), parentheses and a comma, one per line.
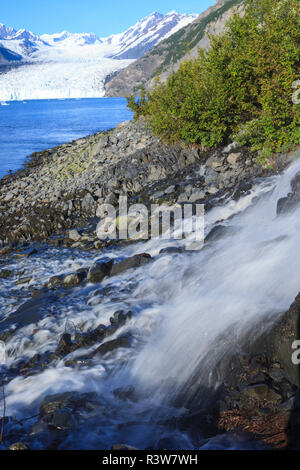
(103,17)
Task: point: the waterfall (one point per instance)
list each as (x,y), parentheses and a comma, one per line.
(190,310)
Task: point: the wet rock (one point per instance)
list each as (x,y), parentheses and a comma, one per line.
(243,188)
(69,402)
(277,343)
(63,419)
(260,397)
(6,335)
(99,245)
(110,346)
(6,250)
(5,273)
(65,345)
(38,428)
(99,271)
(276,374)
(129,263)
(29,312)
(289,404)
(261,392)
(292,200)
(89,338)
(218,232)
(75,279)
(201,423)
(55,281)
(38,361)
(74,235)
(28,253)
(120,317)
(125,394)
(23,280)
(171,250)
(56,242)
(18,446)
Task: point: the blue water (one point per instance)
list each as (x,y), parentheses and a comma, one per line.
(31,126)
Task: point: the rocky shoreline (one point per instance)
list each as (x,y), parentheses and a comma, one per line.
(53,202)
(59,189)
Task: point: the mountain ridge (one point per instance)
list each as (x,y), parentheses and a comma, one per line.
(168,54)
(130,44)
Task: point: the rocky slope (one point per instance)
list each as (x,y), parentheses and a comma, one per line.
(8,56)
(62,187)
(167,56)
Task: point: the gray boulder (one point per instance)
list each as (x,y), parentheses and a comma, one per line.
(99,270)
(129,263)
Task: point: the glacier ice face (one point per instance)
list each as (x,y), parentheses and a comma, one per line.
(57,80)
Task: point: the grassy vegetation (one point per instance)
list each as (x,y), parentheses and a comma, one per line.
(240,89)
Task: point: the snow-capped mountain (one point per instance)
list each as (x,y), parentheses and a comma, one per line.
(67,65)
(22,42)
(69,40)
(25,35)
(145,34)
(6,32)
(131,44)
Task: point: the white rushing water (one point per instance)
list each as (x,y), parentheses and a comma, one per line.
(181,304)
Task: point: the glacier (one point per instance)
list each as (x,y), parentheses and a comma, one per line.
(58,80)
(75,65)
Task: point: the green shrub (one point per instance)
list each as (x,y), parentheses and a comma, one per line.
(241,88)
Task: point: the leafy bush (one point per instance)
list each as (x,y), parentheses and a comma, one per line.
(241,88)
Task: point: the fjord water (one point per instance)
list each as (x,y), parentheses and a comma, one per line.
(182,305)
(32,126)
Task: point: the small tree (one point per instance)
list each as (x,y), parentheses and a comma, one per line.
(241,88)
